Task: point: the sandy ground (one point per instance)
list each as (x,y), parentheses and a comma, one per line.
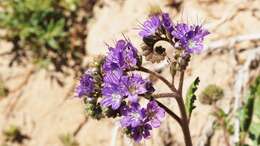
(42,113)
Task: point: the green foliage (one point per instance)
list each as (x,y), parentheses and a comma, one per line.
(254,133)
(44,32)
(257,107)
(14,134)
(68,140)
(246,112)
(211,94)
(191,97)
(249,114)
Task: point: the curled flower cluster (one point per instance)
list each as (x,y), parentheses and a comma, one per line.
(160,27)
(113,89)
(120,91)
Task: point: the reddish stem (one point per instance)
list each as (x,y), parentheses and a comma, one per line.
(183,121)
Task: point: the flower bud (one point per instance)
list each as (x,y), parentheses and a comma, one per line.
(173,68)
(185,59)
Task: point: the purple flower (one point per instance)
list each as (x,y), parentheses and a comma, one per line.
(86,85)
(190,37)
(113,77)
(155,114)
(113,90)
(112,97)
(141,131)
(123,56)
(133,116)
(136,85)
(167,22)
(150,26)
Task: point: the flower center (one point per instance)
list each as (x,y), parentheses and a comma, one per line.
(191,44)
(116,97)
(132,89)
(136,115)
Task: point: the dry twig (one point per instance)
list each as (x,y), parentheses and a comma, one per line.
(13,102)
(231,42)
(80,126)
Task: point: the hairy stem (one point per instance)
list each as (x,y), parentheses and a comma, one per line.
(181,82)
(184,118)
(164,95)
(143,69)
(171,113)
(183,121)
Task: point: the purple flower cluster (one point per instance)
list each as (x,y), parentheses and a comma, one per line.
(190,37)
(123,56)
(140,121)
(112,89)
(120,87)
(86,85)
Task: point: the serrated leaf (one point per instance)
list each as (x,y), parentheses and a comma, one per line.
(191,97)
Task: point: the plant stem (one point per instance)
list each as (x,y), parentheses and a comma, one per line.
(181,82)
(184,118)
(171,113)
(143,69)
(163,95)
(183,121)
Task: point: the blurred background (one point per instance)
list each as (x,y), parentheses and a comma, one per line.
(45,45)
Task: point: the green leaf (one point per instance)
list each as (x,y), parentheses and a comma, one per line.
(254,133)
(246,112)
(257,107)
(191,97)
(53,43)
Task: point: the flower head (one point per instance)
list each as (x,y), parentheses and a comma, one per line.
(113,97)
(123,56)
(190,37)
(113,91)
(136,85)
(133,116)
(155,114)
(150,26)
(86,85)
